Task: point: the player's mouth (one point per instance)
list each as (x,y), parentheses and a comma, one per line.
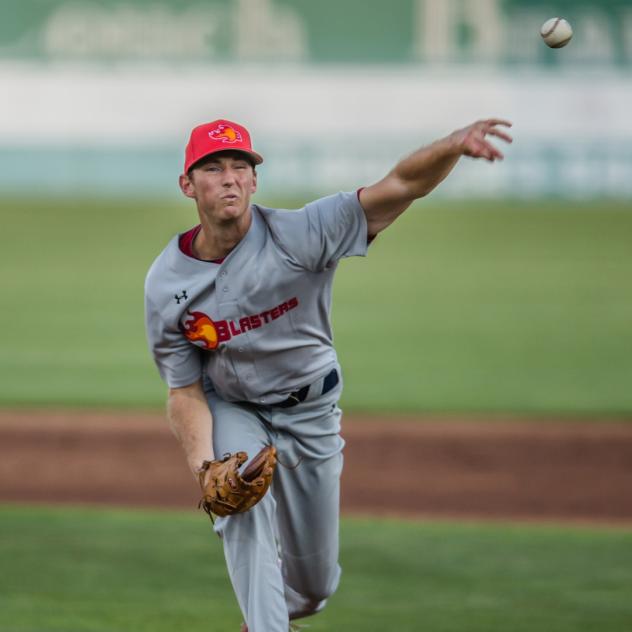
(230,197)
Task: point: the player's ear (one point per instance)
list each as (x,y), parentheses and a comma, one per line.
(186,185)
(254,180)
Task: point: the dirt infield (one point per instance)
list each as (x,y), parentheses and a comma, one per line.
(544,470)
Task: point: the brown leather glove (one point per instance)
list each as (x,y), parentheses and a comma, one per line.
(225,491)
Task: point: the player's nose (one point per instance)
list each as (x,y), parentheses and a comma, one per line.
(229,176)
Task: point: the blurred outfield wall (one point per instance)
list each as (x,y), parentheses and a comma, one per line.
(103,93)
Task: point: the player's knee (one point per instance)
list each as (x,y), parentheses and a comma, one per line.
(316,594)
(320,594)
(312,596)
(307,608)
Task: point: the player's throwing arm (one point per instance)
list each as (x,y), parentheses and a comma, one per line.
(418,174)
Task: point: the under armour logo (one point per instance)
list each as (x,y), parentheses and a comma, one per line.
(182,297)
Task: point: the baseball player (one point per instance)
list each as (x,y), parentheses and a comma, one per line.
(237,319)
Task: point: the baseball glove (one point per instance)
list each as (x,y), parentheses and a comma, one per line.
(226,491)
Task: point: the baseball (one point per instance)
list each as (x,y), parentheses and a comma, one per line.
(556,32)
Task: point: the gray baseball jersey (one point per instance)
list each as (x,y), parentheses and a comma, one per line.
(257,324)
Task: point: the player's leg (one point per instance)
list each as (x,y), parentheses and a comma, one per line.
(308,530)
(249,538)
(308,499)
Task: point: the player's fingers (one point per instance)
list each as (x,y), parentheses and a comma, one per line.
(482,149)
(494,121)
(500,134)
(497,155)
(490,152)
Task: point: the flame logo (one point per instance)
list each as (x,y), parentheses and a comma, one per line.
(200,328)
(225,133)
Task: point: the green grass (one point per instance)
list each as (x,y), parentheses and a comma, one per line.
(89,570)
(504,307)
(484,307)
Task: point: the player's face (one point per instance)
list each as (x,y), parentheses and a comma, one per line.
(221,185)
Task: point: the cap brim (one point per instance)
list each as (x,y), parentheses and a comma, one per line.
(258,158)
(253,155)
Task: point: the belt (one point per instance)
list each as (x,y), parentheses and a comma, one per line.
(329,381)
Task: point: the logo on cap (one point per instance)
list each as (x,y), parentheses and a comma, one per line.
(225,134)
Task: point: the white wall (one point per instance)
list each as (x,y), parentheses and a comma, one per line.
(320,129)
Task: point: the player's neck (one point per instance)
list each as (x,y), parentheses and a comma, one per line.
(216,239)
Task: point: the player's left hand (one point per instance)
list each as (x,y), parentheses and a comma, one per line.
(472,140)
(226,491)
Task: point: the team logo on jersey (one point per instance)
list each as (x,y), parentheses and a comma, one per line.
(200,328)
(225,133)
(203,331)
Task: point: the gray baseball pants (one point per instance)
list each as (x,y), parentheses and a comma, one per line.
(282,555)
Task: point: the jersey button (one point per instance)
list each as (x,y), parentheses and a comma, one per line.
(241,349)
(225,289)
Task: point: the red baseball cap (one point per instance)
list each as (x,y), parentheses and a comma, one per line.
(220,135)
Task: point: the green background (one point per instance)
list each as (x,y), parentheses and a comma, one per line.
(354,31)
(487,306)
